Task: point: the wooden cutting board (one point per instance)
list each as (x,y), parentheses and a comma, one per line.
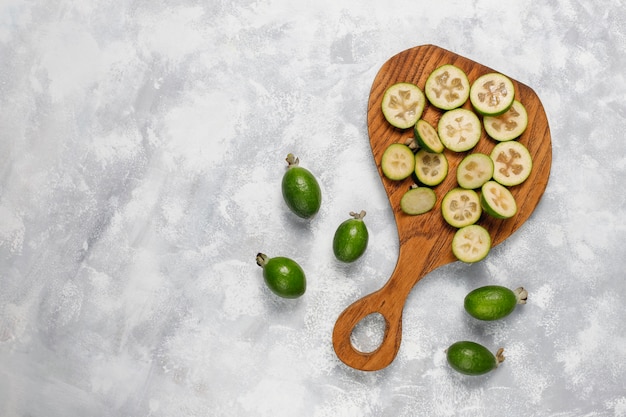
(425,240)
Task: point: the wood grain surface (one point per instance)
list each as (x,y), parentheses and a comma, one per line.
(425,240)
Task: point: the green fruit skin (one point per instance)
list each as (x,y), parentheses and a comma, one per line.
(301,192)
(350,240)
(491,302)
(470,358)
(284,277)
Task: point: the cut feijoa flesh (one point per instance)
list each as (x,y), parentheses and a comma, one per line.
(471,243)
(474,170)
(492,94)
(398,162)
(461,207)
(418,200)
(459,130)
(512,163)
(430,168)
(427,137)
(447,87)
(403,104)
(509,125)
(497,200)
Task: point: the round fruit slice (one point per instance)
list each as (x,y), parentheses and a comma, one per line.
(471,358)
(509,125)
(300,189)
(403,104)
(418,200)
(351,237)
(447,87)
(512,163)
(492,94)
(497,200)
(471,243)
(461,207)
(430,168)
(283,276)
(474,170)
(459,130)
(493,302)
(398,161)
(427,137)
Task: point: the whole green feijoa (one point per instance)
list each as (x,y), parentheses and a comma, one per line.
(301,191)
(283,276)
(351,237)
(493,302)
(471,358)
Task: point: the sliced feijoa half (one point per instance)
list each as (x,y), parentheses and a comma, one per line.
(403,104)
(509,125)
(430,168)
(492,94)
(398,162)
(474,170)
(459,129)
(512,163)
(447,87)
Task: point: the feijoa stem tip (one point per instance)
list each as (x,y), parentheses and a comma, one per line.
(261,259)
(358,216)
(521,294)
(500,356)
(292,160)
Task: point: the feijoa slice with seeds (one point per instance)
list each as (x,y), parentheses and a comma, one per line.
(398,161)
(461,207)
(447,87)
(509,125)
(459,129)
(430,168)
(512,163)
(493,302)
(492,94)
(474,170)
(471,358)
(427,137)
(403,104)
(471,243)
(497,200)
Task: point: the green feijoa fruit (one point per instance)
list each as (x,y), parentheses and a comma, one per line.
(351,237)
(471,358)
(301,190)
(493,302)
(283,276)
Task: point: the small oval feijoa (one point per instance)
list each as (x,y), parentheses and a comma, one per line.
(493,302)
(471,358)
(300,189)
(283,276)
(351,238)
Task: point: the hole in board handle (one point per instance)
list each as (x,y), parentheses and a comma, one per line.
(368,334)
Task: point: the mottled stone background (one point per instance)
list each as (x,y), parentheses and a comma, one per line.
(142,145)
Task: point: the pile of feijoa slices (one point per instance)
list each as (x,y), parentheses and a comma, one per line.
(483,181)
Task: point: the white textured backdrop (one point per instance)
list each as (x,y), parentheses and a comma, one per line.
(142,145)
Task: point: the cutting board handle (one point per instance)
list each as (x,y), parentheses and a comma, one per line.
(388,302)
(377,302)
